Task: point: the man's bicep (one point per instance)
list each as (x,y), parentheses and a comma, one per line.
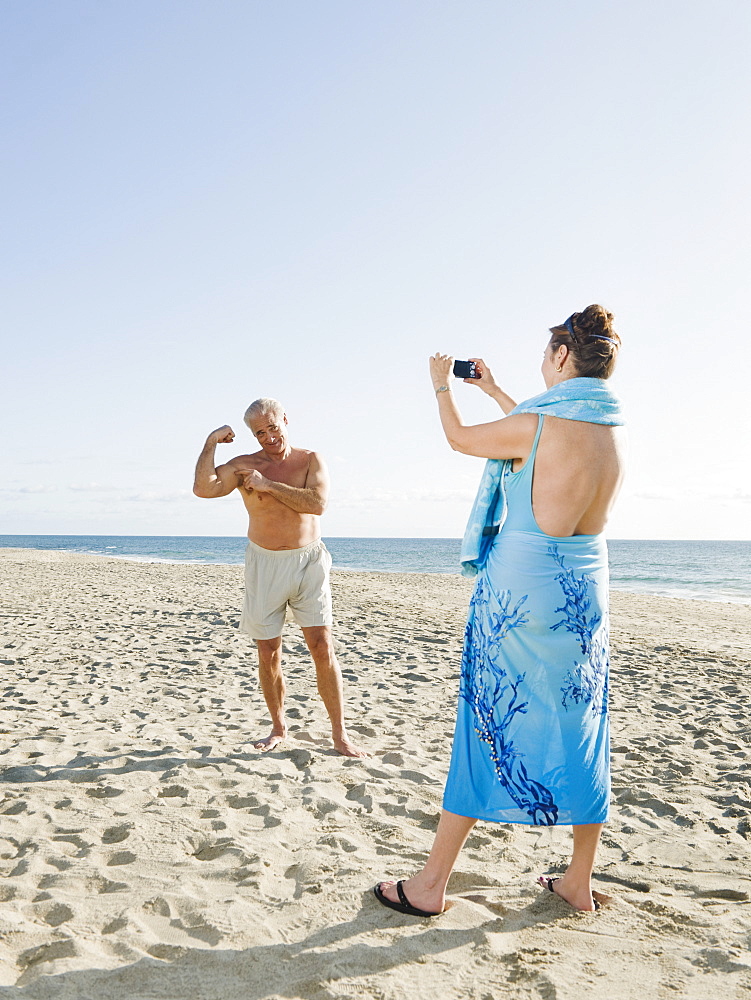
(227,479)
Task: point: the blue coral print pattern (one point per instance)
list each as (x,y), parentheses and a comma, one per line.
(587,683)
(496,697)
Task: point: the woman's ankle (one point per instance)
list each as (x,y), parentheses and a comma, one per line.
(431,881)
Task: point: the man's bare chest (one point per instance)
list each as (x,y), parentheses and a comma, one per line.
(292,472)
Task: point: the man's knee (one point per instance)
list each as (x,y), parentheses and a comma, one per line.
(320,643)
(268,647)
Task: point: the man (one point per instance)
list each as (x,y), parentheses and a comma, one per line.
(285,491)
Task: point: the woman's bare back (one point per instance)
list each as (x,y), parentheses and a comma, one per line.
(577,475)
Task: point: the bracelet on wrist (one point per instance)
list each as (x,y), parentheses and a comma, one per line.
(443,388)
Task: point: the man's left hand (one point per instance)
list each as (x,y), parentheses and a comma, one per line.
(253,480)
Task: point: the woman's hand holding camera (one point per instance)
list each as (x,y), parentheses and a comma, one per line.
(441,373)
(441,366)
(485,379)
(488,384)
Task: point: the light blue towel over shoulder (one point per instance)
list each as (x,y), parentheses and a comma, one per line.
(587,399)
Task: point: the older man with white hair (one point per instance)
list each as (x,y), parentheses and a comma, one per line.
(285,490)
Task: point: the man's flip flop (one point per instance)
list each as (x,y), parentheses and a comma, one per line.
(404,905)
(542,880)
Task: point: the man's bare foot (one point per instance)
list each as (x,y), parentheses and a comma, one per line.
(272,740)
(580,897)
(346,747)
(427,898)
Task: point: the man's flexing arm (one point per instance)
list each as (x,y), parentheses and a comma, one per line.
(212,481)
(308,499)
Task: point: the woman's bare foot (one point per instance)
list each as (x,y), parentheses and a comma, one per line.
(432,899)
(269,742)
(579,896)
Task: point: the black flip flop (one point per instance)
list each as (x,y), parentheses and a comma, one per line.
(549,883)
(404,905)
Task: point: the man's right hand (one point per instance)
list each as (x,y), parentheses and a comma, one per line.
(222,435)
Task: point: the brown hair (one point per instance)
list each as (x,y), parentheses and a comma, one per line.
(592,341)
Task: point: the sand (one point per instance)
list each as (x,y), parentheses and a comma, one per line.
(147,851)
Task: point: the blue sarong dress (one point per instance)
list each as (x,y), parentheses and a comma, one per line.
(532,734)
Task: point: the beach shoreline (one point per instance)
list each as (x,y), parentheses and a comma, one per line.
(146,849)
(715,571)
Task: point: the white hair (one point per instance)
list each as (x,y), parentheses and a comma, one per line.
(263,407)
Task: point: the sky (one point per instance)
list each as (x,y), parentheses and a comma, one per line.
(208,202)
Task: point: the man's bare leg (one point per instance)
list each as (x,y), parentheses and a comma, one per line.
(329,679)
(575,885)
(273,687)
(427,890)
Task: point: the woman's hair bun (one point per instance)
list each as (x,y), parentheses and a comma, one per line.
(595,321)
(591,339)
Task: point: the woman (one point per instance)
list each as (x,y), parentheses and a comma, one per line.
(531,741)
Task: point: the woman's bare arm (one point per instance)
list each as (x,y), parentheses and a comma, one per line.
(510,437)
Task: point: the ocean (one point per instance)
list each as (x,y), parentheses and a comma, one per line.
(711,571)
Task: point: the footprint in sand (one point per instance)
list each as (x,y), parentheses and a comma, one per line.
(716,959)
(158,905)
(116,834)
(319,805)
(664,918)
(208,850)
(359,793)
(14,808)
(121,858)
(57,914)
(236,802)
(173,792)
(300,758)
(397,808)
(196,927)
(105,887)
(118,924)
(737,895)
(81,847)
(303,736)
(417,776)
(363,730)
(62,864)
(47,953)
(104,792)
(167,952)
(338,842)
(493,905)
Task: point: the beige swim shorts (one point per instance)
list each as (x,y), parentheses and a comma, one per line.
(274,579)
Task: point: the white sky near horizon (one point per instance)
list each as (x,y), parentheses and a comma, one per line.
(210,202)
